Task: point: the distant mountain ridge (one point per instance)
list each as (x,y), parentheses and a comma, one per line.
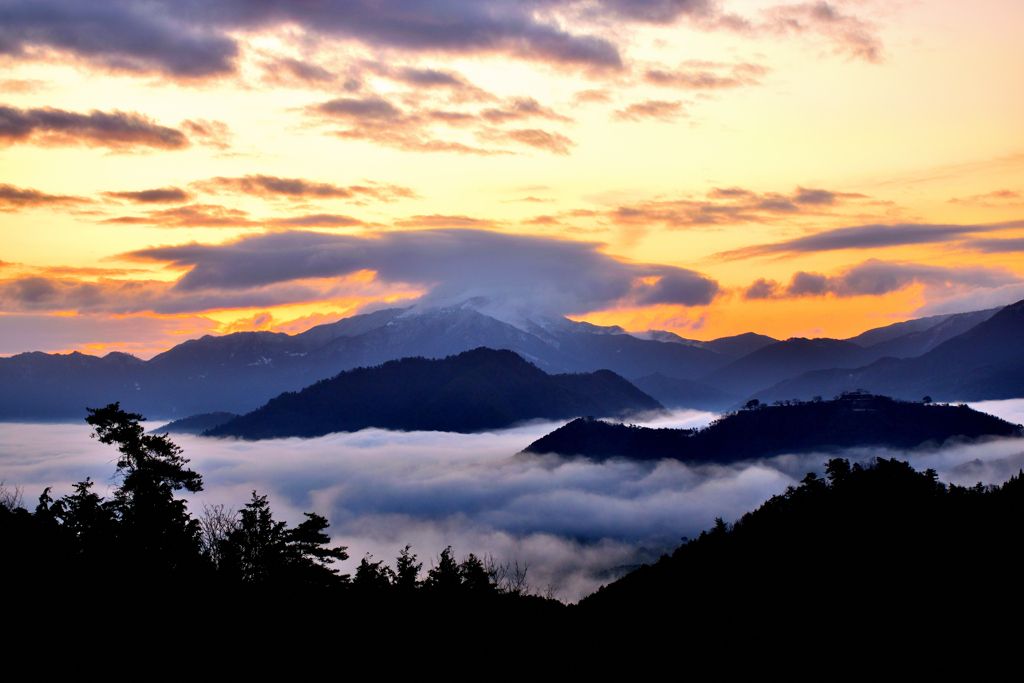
(986,362)
(239,372)
(473,391)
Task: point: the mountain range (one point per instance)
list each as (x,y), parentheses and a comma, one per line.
(967,356)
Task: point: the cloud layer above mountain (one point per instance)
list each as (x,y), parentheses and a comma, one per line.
(543,274)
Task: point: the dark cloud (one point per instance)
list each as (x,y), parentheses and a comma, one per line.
(761,289)
(361,110)
(195,39)
(116,129)
(997,246)
(301,70)
(209,133)
(425,78)
(730,205)
(163,195)
(271,187)
(521,108)
(776,204)
(868,237)
(658,110)
(848,34)
(124,297)
(541,274)
(656,11)
(453,118)
(678,286)
(877,278)
(122,35)
(823,197)
(730,193)
(378,120)
(17,198)
(429,78)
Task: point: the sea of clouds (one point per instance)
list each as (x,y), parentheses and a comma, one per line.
(576,523)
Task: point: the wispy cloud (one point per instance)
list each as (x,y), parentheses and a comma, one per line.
(276,187)
(19,198)
(160,195)
(730,205)
(867,237)
(116,130)
(878,278)
(657,110)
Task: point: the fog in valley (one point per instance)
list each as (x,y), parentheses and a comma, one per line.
(577,524)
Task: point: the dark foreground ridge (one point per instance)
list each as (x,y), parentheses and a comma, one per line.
(760,431)
(872,551)
(471,392)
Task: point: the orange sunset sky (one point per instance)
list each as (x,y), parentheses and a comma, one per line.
(173,169)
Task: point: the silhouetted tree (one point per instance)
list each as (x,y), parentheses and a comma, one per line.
(85,517)
(255,550)
(407,569)
(372,577)
(445,577)
(156,525)
(215,524)
(308,554)
(475,577)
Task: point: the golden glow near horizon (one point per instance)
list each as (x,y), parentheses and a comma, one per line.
(725,136)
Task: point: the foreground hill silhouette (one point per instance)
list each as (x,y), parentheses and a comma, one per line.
(854,419)
(473,391)
(874,551)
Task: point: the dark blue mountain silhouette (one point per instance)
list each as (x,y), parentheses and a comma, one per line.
(473,391)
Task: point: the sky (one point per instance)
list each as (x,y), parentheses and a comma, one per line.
(169,170)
